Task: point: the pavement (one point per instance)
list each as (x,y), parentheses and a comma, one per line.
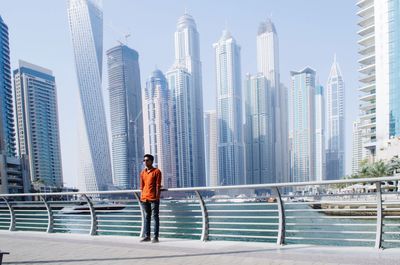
(72,249)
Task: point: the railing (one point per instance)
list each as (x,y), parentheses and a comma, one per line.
(339,212)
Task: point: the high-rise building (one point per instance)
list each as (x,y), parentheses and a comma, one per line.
(37,122)
(210,136)
(259,131)
(320,169)
(302,125)
(335,153)
(126,115)
(229,111)
(379,69)
(7,130)
(356,154)
(181,88)
(187,56)
(268,65)
(159,129)
(86,26)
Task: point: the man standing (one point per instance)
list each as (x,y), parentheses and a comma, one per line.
(150,186)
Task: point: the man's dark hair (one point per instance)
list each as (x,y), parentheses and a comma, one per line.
(150,157)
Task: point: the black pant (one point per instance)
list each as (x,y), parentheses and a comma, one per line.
(151,209)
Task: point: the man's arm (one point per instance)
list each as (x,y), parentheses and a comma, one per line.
(158,185)
(141,182)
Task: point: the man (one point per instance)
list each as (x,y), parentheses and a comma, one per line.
(150,186)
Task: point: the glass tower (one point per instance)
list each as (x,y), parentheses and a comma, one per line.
(86,26)
(126,115)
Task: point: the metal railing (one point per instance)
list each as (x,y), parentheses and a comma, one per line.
(360,212)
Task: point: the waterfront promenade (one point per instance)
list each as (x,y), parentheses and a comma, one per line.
(71,249)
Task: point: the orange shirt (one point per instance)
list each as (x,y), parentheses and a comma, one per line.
(150,184)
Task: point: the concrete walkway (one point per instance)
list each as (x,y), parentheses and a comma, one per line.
(71,249)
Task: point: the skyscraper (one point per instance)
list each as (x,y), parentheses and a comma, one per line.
(379,70)
(229,111)
(187,56)
(37,122)
(86,25)
(320,169)
(7,131)
(335,155)
(302,125)
(356,154)
(268,65)
(159,127)
(180,84)
(259,131)
(210,135)
(126,115)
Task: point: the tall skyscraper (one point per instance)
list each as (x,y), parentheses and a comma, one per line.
(37,122)
(7,131)
(210,135)
(320,169)
(335,153)
(126,115)
(187,56)
(259,131)
(159,129)
(302,125)
(268,65)
(229,111)
(379,70)
(356,154)
(180,83)
(86,25)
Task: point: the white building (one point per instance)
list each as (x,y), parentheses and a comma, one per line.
(159,127)
(86,26)
(210,136)
(379,67)
(229,111)
(320,169)
(187,56)
(259,131)
(335,107)
(356,154)
(268,65)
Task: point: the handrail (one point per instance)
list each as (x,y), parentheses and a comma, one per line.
(211,188)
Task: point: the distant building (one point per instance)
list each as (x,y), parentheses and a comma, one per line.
(210,135)
(356,154)
(320,173)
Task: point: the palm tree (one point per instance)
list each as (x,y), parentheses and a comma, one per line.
(394,165)
(379,169)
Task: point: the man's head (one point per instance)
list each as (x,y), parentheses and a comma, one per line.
(148,160)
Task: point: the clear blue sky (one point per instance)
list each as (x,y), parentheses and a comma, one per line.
(310,33)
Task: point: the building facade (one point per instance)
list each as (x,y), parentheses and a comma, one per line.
(210,142)
(302,125)
(259,131)
(268,65)
(356,153)
(86,27)
(187,56)
(379,49)
(229,111)
(37,122)
(126,115)
(335,105)
(159,129)
(320,154)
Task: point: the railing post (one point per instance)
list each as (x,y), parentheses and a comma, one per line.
(93,217)
(12,214)
(50,217)
(379,216)
(281,222)
(141,213)
(204,215)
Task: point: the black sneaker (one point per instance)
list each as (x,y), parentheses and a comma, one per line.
(155,240)
(145,239)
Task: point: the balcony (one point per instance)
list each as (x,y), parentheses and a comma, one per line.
(367,41)
(367,88)
(368,79)
(367,70)
(368,97)
(366,30)
(366,11)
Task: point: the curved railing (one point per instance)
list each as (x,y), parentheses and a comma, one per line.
(329,214)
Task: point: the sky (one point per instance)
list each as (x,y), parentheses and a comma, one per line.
(310,33)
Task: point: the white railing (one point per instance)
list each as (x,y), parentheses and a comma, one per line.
(364,215)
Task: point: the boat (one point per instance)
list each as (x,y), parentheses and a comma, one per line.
(84,209)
